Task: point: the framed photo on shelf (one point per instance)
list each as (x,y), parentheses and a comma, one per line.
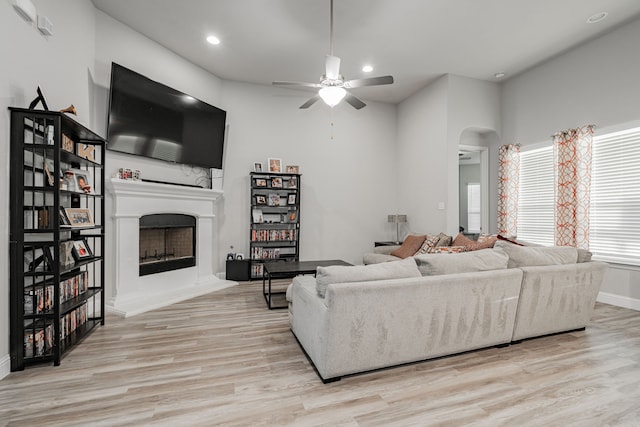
(292,216)
(293,169)
(293,182)
(291,200)
(81,250)
(258,218)
(257,166)
(276,182)
(274,200)
(261,182)
(79,217)
(83,180)
(275,165)
(261,200)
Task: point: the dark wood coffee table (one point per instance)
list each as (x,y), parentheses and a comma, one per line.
(288,269)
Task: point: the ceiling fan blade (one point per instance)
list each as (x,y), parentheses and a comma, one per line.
(354,102)
(304,84)
(310,102)
(332,67)
(371,81)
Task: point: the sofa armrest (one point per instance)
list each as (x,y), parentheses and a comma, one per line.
(308,318)
(385,250)
(557,298)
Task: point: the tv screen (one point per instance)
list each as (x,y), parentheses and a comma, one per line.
(147,118)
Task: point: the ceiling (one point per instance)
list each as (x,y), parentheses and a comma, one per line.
(416,41)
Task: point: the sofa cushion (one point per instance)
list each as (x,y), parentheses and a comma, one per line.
(584,255)
(480,260)
(362,273)
(376,258)
(410,246)
(529,256)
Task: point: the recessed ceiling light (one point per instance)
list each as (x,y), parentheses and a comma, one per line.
(367,68)
(597,17)
(213,40)
(499,75)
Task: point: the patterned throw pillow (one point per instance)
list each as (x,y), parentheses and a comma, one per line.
(430,242)
(449,250)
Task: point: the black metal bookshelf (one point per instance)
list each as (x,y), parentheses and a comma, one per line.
(56,235)
(275,219)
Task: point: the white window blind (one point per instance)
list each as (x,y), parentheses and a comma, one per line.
(536,196)
(614,227)
(473,207)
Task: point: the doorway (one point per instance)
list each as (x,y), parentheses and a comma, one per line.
(473,191)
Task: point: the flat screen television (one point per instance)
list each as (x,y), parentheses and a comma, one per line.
(147,118)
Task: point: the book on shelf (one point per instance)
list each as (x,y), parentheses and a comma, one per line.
(273,235)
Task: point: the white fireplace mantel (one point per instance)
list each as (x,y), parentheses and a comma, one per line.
(133,294)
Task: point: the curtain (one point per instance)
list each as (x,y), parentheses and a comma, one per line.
(572,153)
(508,182)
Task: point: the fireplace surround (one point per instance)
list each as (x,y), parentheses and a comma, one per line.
(128,292)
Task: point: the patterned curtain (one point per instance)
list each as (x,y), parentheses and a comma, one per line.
(508,182)
(572,151)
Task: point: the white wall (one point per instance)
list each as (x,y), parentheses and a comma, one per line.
(62,66)
(596,83)
(346,158)
(431,124)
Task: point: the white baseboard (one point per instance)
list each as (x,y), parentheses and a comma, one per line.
(619,301)
(5,366)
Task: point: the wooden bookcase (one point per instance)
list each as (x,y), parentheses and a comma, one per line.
(56,235)
(275,219)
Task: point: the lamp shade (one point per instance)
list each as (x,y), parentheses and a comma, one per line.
(332,95)
(396,218)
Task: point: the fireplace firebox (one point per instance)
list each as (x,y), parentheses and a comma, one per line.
(167,242)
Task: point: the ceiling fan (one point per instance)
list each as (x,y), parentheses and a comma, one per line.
(332,86)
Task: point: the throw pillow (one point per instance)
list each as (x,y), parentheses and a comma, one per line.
(410,246)
(529,256)
(449,250)
(430,242)
(481,260)
(510,240)
(363,273)
(472,245)
(444,240)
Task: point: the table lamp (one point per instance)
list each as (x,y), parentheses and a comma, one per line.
(397,219)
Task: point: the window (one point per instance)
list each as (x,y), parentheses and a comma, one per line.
(473,207)
(536,196)
(615,197)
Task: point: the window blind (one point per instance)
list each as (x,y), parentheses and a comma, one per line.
(615,197)
(536,196)
(473,207)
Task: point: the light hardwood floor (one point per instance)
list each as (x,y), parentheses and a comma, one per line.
(224,359)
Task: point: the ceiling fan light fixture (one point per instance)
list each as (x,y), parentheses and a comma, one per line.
(332,95)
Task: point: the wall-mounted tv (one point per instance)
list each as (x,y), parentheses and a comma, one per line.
(147,118)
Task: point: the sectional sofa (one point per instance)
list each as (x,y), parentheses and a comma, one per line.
(356,319)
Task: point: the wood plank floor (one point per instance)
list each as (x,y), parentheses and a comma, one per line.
(224,359)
